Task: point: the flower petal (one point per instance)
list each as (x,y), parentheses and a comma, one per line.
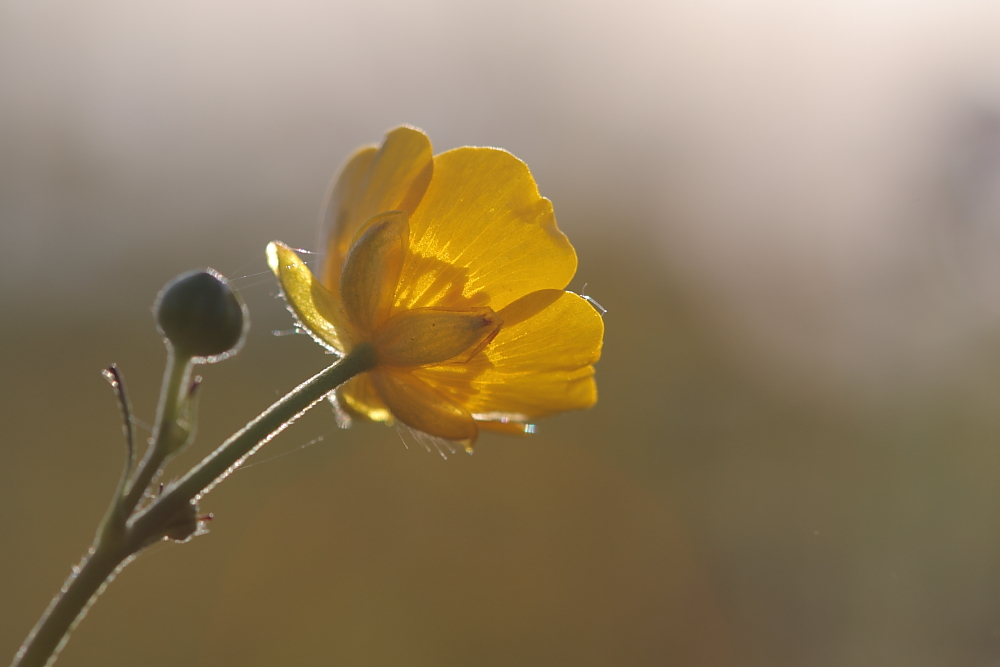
(539,363)
(430,336)
(419,406)
(482,235)
(336,228)
(371,271)
(390,178)
(313,305)
(359,398)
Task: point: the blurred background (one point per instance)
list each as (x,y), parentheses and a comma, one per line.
(790,210)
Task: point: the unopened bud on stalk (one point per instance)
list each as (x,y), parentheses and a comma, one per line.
(201,316)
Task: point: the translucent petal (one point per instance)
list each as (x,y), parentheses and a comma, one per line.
(316,308)
(359,398)
(371,271)
(431,336)
(539,363)
(482,236)
(392,177)
(419,406)
(336,228)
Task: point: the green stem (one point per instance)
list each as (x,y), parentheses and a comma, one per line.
(69,606)
(176,378)
(112,549)
(230,454)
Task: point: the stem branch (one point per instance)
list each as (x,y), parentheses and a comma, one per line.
(175,380)
(114,548)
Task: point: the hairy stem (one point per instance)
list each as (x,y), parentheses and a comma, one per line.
(175,380)
(115,546)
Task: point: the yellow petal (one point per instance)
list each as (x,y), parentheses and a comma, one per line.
(539,363)
(390,178)
(371,271)
(418,406)
(316,308)
(482,236)
(360,399)
(336,228)
(430,336)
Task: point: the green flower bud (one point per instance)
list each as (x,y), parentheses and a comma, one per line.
(201,316)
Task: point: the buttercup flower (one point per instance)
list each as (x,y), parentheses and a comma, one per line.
(453,270)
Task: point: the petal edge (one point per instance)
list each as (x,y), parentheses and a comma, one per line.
(316,308)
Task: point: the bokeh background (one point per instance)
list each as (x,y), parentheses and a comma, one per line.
(790,210)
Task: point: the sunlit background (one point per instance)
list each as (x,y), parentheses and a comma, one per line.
(790,211)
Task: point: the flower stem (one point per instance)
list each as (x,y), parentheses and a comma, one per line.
(175,380)
(115,546)
(242,444)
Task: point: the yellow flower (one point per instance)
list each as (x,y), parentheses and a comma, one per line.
(453,269)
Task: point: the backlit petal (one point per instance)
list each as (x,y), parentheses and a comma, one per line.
(316,308)
(419,406)
(390,178)
(371,271)
(337,228)
(430,336)
(482,236)
(539,363)
(360,399)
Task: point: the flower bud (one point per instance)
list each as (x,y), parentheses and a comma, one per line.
(201,316)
